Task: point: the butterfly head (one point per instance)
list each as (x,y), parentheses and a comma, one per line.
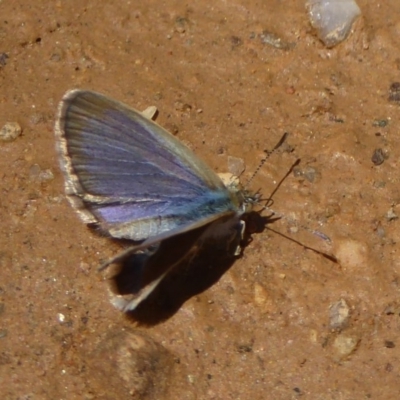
(245,199)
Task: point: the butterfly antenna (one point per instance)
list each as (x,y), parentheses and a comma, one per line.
(268,153)
(278,215)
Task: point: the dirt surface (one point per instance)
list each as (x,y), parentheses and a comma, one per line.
(282,322)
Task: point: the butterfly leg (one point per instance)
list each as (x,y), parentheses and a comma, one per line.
(241,229)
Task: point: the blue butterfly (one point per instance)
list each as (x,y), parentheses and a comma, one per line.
(131,179)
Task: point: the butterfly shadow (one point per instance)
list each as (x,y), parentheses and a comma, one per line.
(195,268)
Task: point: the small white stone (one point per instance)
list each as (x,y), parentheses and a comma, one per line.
(345,345)
(10,131)
(351,254)
(236,165)
(339,314)
(61,317)
(332,19)
(46,175)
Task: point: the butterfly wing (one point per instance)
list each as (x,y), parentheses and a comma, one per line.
(129,176)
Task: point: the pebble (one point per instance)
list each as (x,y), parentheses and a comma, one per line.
(378,157)
(274,40)
(40,175)
(389,344)
(394,92)
(339,314)
(10,131)
(3,59)
(345,345)
(261,297)
(138,364)
(332,19)
(183,107)
(61,318)
(381,123)
(236,165)
(391,214)
(351,254)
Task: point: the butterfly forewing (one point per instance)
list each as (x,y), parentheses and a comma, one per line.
(130,176)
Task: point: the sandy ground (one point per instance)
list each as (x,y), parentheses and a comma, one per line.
(280,322)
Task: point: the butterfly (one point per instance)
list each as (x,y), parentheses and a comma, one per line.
(131,179)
